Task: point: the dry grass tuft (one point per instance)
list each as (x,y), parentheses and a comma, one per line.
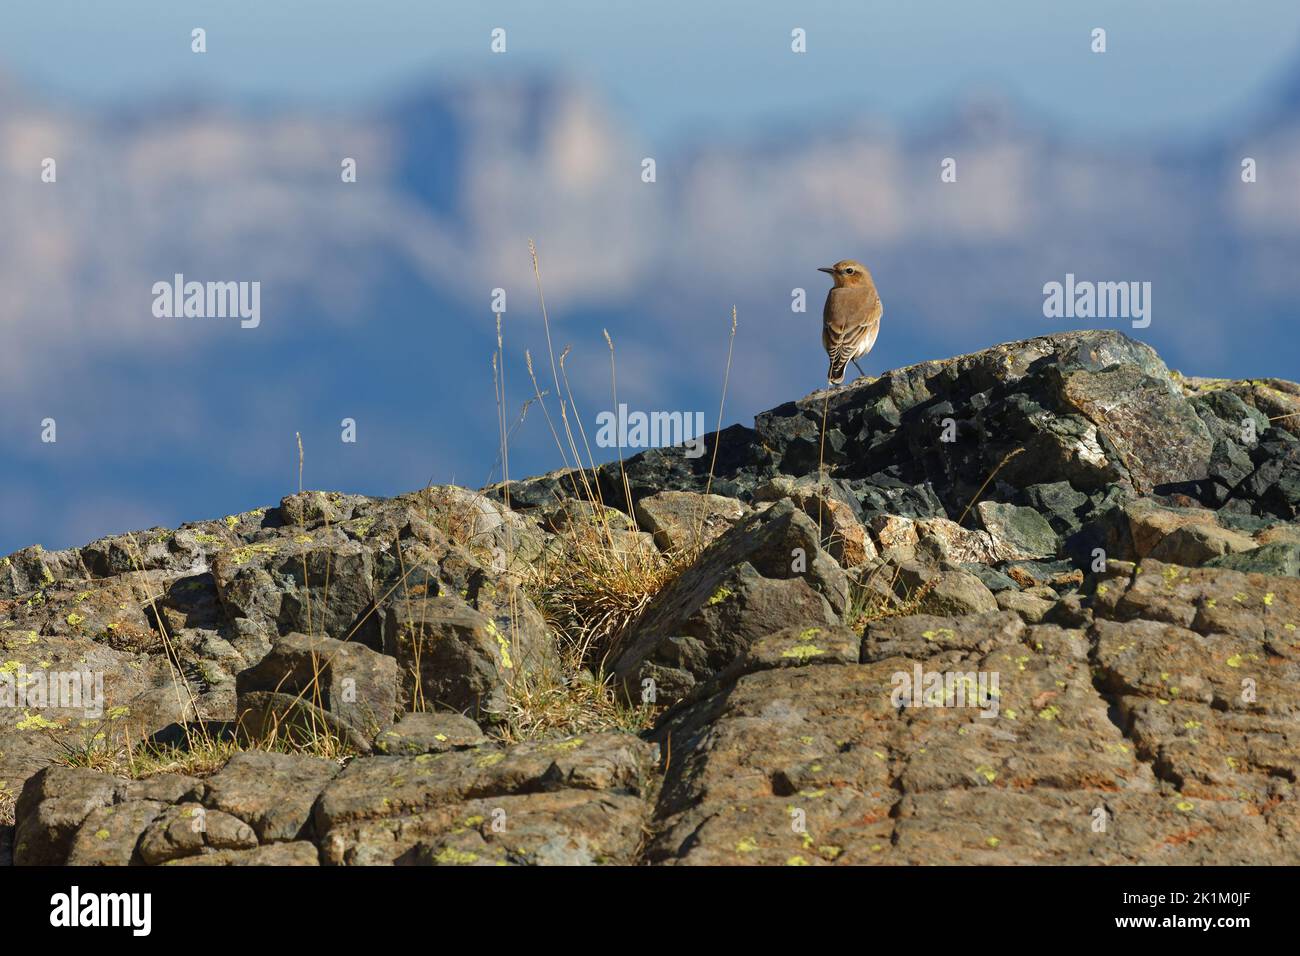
(593,594)
(578,702)
(8,800)
(202,754)
(875,599)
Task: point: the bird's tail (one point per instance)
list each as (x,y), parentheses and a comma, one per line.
(836,373)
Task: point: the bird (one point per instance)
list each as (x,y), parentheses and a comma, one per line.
(851,317)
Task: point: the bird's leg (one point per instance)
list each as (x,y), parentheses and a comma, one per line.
(859,368)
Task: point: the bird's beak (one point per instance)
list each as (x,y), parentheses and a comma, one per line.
(829,270)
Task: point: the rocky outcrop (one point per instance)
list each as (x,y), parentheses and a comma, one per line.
(764,574)
(355,686)
(566,801)
(1040,604)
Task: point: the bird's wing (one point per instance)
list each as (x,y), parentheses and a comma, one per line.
(851,324)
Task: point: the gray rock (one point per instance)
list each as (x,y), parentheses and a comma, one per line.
(51,807)
(108,836)
(272,792)
(582,516)
(350,681)
(956,592)
(189,829)
(1059,503)
(1024,529)
(1194,544)
(34,568)
(1280,558)
(765,574)
(429,733)
(457,657)
(680,520)
(833,507)
(270,719)
(992,578)
(579,800)
(294,853)
(1137,410)
(1031,609)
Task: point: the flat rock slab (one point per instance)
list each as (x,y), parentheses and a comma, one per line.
(296,853)
(1203,666)
(683,520)
(273,793)
(429,733)
(826,747)
(1002,827)
(577,800)
(191,829)
(1125,740)
(57,801)
(571,801)
(109,835)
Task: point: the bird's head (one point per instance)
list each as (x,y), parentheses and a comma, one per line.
(847,272)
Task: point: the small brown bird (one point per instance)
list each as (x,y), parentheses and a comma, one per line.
(851,318)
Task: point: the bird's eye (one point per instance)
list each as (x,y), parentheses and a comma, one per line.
(848,272)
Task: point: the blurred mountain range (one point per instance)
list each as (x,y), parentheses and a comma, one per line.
(376,295)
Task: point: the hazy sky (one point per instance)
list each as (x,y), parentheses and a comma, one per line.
(165,422)
(673,66)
